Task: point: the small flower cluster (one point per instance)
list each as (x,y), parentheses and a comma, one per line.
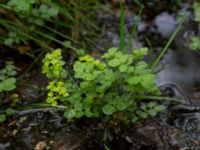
(53,65)
(57,92)
(53,68)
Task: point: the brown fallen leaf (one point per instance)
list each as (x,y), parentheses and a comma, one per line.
(40,146)
(24,49)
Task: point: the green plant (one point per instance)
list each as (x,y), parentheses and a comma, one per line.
(48,22)
(8,112)
(53,65)
(156,61)
(7,83)
(34,16)
(196,7)
(148,109)
(195,40)
(14,98)
(7,79)
(108,87)
(13,38)
(195,43)
(22,6)
(126,47)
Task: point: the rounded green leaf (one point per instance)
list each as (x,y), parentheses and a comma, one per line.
(123,68)
(88,113)
(147,80)
(108,109)
(152,112)
(143,115)
(134,80)
(10,111)
(9,42)
(134,119)
(121,106)
(2,77)
(151,104)
(114,62)
(159,108)
(112,50)
(2,118)
(70,113)
(123,58)
(8,84)
(67,44)
(143,107)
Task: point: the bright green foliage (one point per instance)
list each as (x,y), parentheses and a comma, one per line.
(57,91)
(104,87)
(7,79)
(195,43)
(53,65)
(146,110)
(22,6)
(53,68)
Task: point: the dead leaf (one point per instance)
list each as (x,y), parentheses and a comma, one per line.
(23,49)
(40,146)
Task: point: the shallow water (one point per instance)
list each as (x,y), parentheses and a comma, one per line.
(180,72)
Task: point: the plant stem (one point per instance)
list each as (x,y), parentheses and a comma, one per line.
(159,98)
(133,30)
(40,105)
(166,46)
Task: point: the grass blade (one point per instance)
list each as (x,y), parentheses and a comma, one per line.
(166,46)
(134,27)
(122,25)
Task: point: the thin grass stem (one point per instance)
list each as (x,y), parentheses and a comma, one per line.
(122,25)
(166,46)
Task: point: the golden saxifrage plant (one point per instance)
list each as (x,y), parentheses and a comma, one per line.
(108,87)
